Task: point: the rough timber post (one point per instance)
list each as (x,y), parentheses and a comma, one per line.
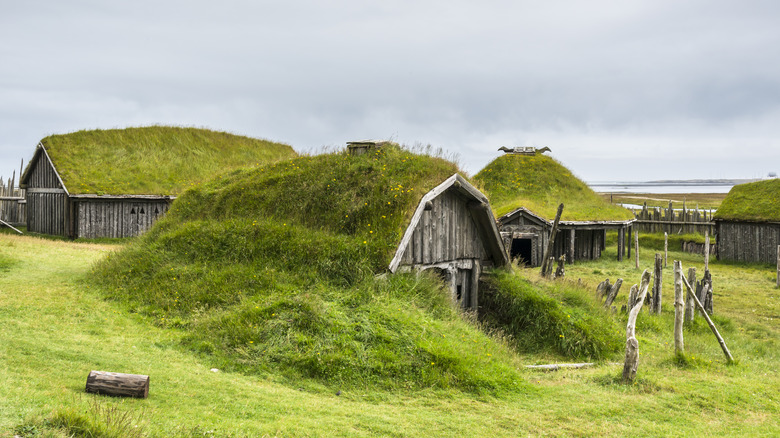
(571,246)
(550,243)
(666,248)
(636,249)
(632,345)
(778,265)
(621,243)
(679,308)
(706,251)
(690,306)
(630,239)
(657,286)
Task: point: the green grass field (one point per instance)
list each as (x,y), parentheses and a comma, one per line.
(55,328)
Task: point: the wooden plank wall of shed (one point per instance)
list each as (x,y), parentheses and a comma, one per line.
(117,218)
(445,233)
(587,244)
(45,211)
(748,242)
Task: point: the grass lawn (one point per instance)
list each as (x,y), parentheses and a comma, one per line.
(54,329)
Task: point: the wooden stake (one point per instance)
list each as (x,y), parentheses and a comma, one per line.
(706,250)
(666,248)
(550,243)
(679,308)
(632,296)
(778,265)
(722,343)
(655,302)
(636,249)
(613,293)
(632,345)
(690,307)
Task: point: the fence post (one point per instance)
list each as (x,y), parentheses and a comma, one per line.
(778,265)
(666,248)
(706,250)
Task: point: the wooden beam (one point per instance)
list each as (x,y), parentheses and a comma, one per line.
(722,343)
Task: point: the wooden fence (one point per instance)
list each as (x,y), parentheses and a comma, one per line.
(13,207)
(669,220)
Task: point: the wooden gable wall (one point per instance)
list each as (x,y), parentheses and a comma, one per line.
(47,201)
(445,232)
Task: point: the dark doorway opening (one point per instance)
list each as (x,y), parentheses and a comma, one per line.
(521,250)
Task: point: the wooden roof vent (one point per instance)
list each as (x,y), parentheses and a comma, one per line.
(361,147)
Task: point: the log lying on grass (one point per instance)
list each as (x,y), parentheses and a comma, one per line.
(118,384)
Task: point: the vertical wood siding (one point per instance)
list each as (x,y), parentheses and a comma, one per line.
(748,242)
(447,232)
(117,218)
(45,211)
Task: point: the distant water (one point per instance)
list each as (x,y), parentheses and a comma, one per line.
(661,187)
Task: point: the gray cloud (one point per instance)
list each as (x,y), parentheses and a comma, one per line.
(604,83)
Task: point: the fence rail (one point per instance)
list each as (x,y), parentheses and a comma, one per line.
(669,220)
(13,206)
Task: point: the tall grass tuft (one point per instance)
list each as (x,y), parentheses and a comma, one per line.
(558,318)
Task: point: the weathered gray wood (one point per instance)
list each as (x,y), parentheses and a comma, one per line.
(706,251)
(632,297)
(722,343)
(655,301)
(621,243)
(118,384)
(613,291)
(602,289)
(666,248)
(690,306)
(679,309)
(631,361)
(636,249)
(551,242)
(560,271)
(559,366)
(778,266)
(572,245)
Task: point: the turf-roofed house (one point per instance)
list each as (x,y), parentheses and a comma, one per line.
(747,222)
(526,189)
(117,183)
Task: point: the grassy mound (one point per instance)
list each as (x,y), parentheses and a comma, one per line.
(756,201)
(539,183)
(155,160)
(549,317)
(271,271)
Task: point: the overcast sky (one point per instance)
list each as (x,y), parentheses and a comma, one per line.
(619,90)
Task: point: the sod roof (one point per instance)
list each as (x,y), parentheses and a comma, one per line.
(757,201)
(369,198)
(540,183)
(155,160)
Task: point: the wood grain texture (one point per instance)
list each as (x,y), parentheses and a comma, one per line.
(118,384)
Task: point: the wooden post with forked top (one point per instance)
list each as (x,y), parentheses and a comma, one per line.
(632,344)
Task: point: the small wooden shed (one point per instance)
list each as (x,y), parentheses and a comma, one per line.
(525,236)
(526,190)
(117,183)
(747,223)
(453,232)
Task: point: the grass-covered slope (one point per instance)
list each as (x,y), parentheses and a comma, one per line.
(539,183)
(155,160)
(271,270)
(756,201)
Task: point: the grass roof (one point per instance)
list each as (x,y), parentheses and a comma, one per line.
(539,183)
(155,160)
(756,201)
(369,198)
